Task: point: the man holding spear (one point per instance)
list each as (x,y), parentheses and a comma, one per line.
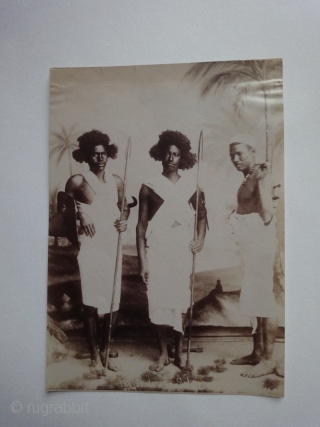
(165,237)
(99,195)
(253,224)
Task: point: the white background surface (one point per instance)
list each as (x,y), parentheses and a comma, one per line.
(37,35)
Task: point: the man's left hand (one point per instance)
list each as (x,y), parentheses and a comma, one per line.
(196,246)
(261,171)
(121,225)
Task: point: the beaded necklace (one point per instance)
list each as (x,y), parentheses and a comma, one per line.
(244,181)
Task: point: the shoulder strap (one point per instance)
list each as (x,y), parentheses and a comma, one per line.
(91,180)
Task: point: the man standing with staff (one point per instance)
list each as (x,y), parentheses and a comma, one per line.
(165,240)
(254,230)
(98,195)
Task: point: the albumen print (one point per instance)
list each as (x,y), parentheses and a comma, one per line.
(166,228)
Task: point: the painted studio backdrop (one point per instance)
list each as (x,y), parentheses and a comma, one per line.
(235,101)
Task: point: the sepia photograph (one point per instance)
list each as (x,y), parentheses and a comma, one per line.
(166,252)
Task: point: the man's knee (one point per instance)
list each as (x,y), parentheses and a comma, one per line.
(270,323)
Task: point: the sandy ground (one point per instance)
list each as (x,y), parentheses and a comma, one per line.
(138,351)
(136,356)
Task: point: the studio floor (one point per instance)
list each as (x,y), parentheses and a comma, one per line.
(135,356)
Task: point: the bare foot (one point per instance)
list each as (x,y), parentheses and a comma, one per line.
(95,371)
(112,366)
(246,360)
(265,367)
(279,369)
(93,365)
(162,362)
(94,359)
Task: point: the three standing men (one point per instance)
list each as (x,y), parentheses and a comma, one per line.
(164,240)
(254,231)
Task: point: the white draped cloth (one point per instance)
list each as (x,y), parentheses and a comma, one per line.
(97,256)
(257,246)
(168,254)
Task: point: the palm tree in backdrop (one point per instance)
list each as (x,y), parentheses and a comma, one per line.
(263,78)
(259,78)
(63,145)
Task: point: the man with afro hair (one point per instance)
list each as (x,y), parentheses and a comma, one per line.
(98,195)
(165,240)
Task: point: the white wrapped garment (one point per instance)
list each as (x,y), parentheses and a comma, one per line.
(97,256)
(257,246)
(168,253)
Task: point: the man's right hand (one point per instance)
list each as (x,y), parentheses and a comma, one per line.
(86,224)
(144,274)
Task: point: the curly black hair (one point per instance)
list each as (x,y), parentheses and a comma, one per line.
(91,139)
(170,137)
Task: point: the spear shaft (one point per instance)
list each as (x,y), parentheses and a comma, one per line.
(194,257)
(128,152)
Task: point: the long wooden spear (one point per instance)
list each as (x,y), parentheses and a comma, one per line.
(128,154)
(194,258)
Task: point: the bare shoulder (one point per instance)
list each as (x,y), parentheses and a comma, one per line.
(74,182)
(118,181)
(144,190)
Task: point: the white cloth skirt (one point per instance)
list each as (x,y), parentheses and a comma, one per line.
(257,246)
